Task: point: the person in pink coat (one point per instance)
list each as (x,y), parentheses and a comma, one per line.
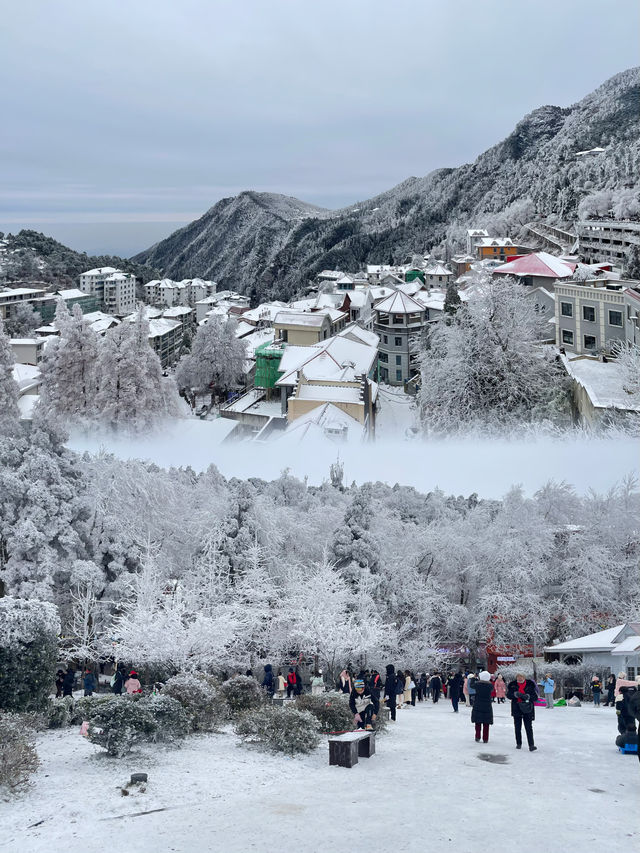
(132,685)
(501,689)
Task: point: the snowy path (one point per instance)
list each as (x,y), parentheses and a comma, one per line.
(425,782)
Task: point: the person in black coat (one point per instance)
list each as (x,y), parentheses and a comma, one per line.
(610,687)
(436,687)
(400,679)
(455,689)
(68,682)
(118,681)
(89,682)
(390,690)
(422,687)
(364,705)
(267,681)
(523,694)
(482,711)
(59,682)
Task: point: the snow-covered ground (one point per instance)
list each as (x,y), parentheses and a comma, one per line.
(396,413)
(458,466)
(427,788)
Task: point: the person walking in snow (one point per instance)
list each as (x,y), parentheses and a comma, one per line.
(408,681)
(471,688)
(390,690)
(117,682)
(548,686)
(523,694)
(89,682)
(291,683)
(422,687)
(317,683)
(400,688)
(455,688)
(132,684)
(436,687)
(281,684)
(482,711)
(501,689)
(364,705)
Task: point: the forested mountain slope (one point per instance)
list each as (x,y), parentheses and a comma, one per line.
(271,245)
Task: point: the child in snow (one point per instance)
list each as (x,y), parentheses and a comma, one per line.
(596,689)
(132,685)
(281,684)
(501,689)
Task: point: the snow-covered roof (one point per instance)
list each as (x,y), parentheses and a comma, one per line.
(26,377)
(120,276)
(376,269)
(488,242)
(21,291)
(329,393)
(596,150)
(357,333)
(177,311)
(603,382)
(358,298)
(338,352)
(477,232)
(601,641)
(300,318)
(331,275)
(438,269)
(161,326)
(538,264)
(345,279)
(24,341)
(256,339)
(71,293)
(399,303)
(324,421)
(411,287)
(101,271)
(243,329)
(627,647)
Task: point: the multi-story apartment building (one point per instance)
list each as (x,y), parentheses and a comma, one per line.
(607,239)
(590,315)
(187,292)
(398,321)
(10,298)
(632,315)
(114,289)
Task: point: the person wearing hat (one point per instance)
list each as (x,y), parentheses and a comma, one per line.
(482,709)
(523,693)
(364,705)
(132,684)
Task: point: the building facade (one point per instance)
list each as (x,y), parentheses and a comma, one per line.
(607,240)
(590,315)
(398,321)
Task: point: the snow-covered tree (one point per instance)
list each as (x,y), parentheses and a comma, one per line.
(9,412)
(23,320)
(216,359)
(131,391)
(486,366)
(452,299)
(69,378)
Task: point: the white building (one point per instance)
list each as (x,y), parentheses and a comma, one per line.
(115,289)
(614,649)
(171,293)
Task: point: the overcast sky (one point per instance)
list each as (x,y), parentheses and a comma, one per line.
(123,120)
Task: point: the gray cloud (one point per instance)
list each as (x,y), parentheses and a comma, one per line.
(155,109)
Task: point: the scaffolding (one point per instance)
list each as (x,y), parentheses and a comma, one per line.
(268,357)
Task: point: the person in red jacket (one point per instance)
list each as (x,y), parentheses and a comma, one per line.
(292,683)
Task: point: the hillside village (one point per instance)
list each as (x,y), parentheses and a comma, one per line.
(343,359)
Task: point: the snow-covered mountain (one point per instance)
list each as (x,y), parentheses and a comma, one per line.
(272,244)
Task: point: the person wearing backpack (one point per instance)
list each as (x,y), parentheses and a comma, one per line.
(523,693)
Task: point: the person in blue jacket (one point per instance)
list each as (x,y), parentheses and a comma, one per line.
(88,682)
(267,681)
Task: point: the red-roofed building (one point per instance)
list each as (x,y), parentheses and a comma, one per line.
(537,269)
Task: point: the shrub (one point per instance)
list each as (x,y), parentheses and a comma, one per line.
(18,756)
(204,705)
(330,709)
(119,723)
(60,712)
(242,693)
(170,718)
(82,709)
(280,729)
(28,653)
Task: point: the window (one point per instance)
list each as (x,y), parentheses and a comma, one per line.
(589,313)
(615,318)
(398,359)
(589,342)
(567,337)
(385,339)
(566,309)
(399,375)
(398,342)
(398,319)
(384,357)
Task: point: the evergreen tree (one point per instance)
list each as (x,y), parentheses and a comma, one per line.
(9,412)
(23,321)
(217,358)
(69,379)
(633,263)
(452,299)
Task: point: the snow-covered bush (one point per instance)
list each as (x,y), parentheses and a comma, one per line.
(330,709)
(242,693)
(60,712)
(205,706)
(28,651)
(81,709)
(119,723)
(18,756)
(280,729)
(170,717)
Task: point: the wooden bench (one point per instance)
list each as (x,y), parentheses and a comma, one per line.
(344,750)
